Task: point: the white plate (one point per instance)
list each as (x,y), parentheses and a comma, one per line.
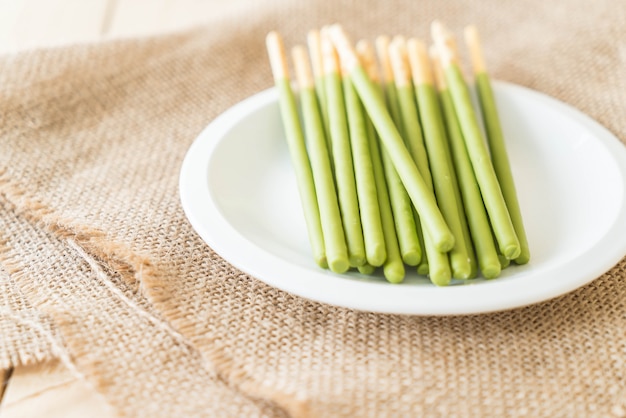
(239,192)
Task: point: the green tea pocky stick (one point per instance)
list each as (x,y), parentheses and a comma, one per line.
(393,268)
(495,138)
(408,109)
(411,133)
(297,146)
(423,199)
(443,174)
(342,155)
(365,183)
(423,267)
(401,206)
(332,228)
(438,264)
(481,163)
(388,82)
(314,43)
(476,216)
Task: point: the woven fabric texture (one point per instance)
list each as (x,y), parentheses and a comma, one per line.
(100,268)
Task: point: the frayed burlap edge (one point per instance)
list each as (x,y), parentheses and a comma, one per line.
(154,289)
(139,273)
(42,342)
(131,266)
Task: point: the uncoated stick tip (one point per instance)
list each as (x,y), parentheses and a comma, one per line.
(367,56)
(344,47)
(397,56)
(302,67)
(420,63)
(276,52)
(329,55)
(314,42)
(439,31)
(475,49)
(382,49)
(382,42)
(440,78)
(400,41)
(313,35)
(445,43)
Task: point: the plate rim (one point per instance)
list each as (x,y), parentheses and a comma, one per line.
(201,150)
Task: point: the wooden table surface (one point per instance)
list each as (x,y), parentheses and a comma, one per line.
(49,389)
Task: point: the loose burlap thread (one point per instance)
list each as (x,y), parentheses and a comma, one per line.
(101,268)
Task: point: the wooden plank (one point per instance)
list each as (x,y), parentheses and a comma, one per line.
(5,375)
(50,389)
(186,13)
(10,11)
(143,17)
(41,23)
(137,17)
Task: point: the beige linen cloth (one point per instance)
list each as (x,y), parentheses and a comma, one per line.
(100,268)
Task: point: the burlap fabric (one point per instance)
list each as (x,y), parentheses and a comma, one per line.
(101,269)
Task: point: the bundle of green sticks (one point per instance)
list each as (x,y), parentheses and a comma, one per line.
(395,171)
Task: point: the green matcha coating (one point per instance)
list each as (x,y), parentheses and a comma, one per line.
(302,169)
(422,267)
(320,90)
(476,215)
(365,183)
(467,237)
(406,228)
(423,199)
(436,263)
(332,228)
(443,175)
(344,169)
(393,268)
(366,269)
(413,132)
(500,160)
(481,163)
